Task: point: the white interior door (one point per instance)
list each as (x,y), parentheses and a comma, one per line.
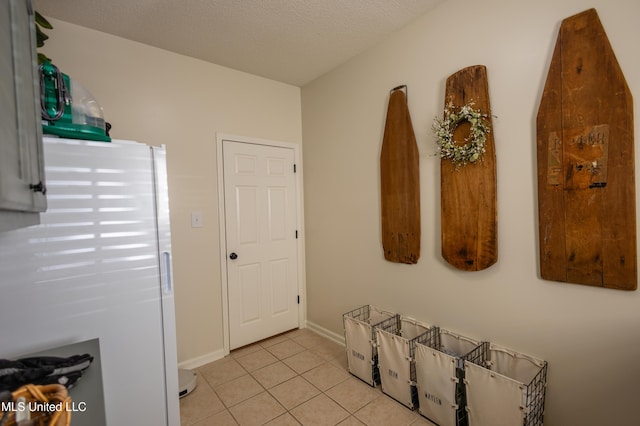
(260,216)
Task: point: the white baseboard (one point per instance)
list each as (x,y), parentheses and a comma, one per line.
(219,354)
(335,337)
(201,360)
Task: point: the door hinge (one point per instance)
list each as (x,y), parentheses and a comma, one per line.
(298,299)
(294,169)
(296,234)
(38,187)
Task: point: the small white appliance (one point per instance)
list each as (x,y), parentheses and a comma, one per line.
(186,382)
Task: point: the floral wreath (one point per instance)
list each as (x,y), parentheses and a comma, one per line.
(474,146)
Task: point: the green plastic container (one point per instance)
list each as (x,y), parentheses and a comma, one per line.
(68,109)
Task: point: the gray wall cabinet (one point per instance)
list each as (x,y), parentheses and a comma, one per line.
(22,186)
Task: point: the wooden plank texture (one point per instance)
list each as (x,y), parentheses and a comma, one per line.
(469,216)
(585,150)
(400,184)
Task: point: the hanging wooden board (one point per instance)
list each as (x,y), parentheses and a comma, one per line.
(469,214)
(586,177)
(400,183)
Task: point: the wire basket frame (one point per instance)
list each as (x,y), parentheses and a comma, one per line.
(391,325)
(396,358)
(412,353)
(457,348)
(360,338)
(479,355)
(514,370)
(535,398)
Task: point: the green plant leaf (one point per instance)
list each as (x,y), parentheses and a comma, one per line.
(42,58)
(42,21)
(40,37)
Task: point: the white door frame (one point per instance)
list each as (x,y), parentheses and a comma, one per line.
(297,156)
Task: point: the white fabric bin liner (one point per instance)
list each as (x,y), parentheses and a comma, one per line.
(520,367)
(436,376)
(361,353)
(492,399)
(497,396)
(377,315)
(395,356)
(436,382)
(410,328)
(456,344)
(359,349)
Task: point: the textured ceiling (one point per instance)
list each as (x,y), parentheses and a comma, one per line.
(292,41)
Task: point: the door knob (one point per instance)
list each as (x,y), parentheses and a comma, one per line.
(233,256)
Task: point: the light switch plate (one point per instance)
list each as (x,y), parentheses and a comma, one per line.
(196,220)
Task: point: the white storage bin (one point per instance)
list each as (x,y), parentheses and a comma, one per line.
(439,375)
(360,339)
(396,358)
(508,389)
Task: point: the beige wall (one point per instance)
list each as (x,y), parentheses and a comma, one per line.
(157,97)
(589,336)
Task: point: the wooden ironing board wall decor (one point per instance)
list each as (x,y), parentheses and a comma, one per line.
(469,217)
(400,183)
(586,177)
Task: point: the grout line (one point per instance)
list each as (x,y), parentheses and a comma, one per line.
(291,337)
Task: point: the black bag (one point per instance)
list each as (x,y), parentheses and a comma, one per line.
(42,370)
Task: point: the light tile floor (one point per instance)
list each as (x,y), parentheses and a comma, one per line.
(296,378)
